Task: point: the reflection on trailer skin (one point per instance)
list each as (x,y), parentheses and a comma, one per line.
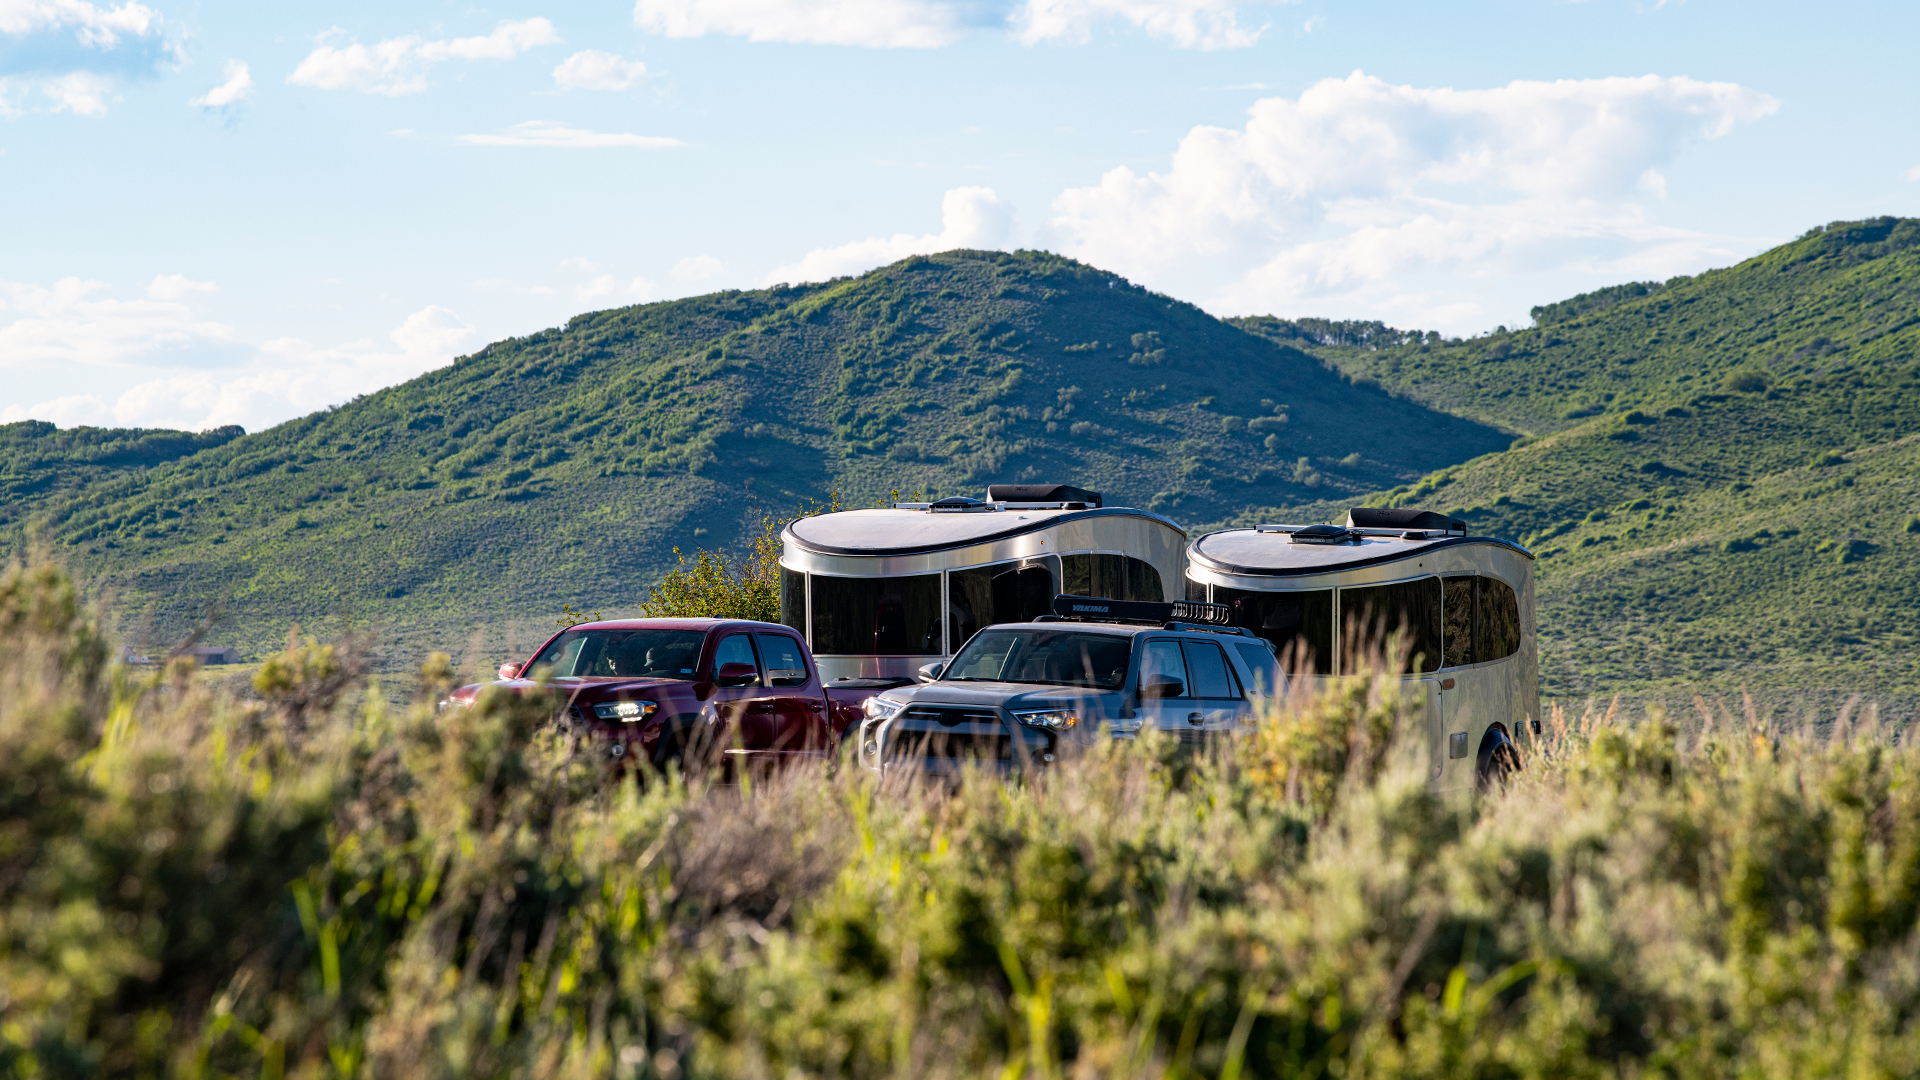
(880,593)
(1326,594)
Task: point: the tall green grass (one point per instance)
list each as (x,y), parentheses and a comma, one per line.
(310,883)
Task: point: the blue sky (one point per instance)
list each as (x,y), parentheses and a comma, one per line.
(237,213)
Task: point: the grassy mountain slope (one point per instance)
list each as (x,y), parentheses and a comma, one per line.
(564,466)
(1722,477)
(40,463)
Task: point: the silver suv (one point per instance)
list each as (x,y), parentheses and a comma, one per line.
(1019,695)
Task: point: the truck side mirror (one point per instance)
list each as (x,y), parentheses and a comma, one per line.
(736,674)
(931,672)
(509,671)
(1162,686)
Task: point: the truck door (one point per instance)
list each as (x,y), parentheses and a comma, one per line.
(742,703)
(797,718)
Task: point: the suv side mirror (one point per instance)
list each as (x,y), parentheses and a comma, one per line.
(931,672)
(509,671)
(1162,686)
(736,674)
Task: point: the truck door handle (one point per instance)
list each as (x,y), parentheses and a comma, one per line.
(812,705)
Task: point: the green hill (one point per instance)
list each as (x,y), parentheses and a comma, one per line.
(565,466)
(1720,474)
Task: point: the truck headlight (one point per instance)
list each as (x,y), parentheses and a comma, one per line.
(879,708)
(1051,719)
(629,712)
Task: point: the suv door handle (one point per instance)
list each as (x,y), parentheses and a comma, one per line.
(1196,718)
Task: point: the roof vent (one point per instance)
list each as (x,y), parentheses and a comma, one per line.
(1322,534)
(1374,517)
(953,504)
(1041,493)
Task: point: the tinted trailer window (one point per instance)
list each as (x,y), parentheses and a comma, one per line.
(887,616)
(1300,625)
(985,595)
(1371,614)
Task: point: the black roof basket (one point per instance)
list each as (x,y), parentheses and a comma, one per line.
(1100,609)
(1041,493)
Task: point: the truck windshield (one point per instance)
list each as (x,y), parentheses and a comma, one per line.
(623,654)
(1050,657)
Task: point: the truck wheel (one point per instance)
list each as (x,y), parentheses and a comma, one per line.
(680,743)
(1499,759)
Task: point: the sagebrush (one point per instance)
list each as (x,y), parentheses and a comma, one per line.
(312,883)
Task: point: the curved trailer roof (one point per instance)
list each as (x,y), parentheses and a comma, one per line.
(900,531)
(1270,553)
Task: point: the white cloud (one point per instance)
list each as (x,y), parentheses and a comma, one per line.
(239,86)
(70,324)
(596,70)
(176,286)
(883,23)
(971,217)
(548,133)
(397,66)
(1914,173)
(160,350)
(1205,24)
(70,55)
(639,289)
(698,268)
(932,23)
(94,27)
(1313,24)
(1362,193)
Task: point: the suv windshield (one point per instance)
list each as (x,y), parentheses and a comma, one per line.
(624,654)
(1051,657)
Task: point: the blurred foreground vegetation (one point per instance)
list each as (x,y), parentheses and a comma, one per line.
(306,882)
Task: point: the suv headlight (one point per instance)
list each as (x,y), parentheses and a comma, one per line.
(1051,719)
(631,712)
(879,708)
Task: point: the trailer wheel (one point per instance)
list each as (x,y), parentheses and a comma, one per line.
(1499,759)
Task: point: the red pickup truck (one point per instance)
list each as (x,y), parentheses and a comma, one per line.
(653,688)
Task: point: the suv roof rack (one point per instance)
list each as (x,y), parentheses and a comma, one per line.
(1178,615)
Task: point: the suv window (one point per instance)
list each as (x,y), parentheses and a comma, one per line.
(1266,669)
(1048,657)
(1208,667)
(1160,662)
(785,665)
(736,649)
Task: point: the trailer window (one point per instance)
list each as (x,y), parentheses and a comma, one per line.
(1459,617)
(1300,625)
(1369,614)
(985,595)
(1483,620)
(1110,577)
(1498,635)
(793,599)
(890,616)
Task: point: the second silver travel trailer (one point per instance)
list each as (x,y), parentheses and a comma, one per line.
(1323,593)
(879,593)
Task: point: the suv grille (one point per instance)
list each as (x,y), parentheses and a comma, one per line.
(930,731)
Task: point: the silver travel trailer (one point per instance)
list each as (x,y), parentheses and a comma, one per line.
(879,593)
(1464,602)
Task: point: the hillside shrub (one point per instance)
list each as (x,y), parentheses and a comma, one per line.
(1747,382)
(188,891)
